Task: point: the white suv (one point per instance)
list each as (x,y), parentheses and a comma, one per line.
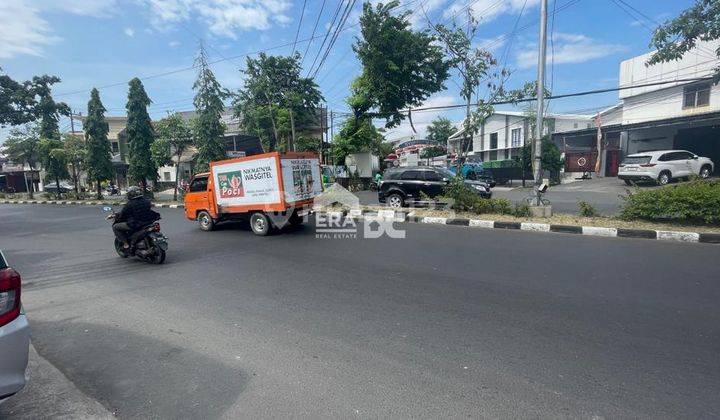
(661,166)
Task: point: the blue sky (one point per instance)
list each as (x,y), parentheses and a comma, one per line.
(98,43)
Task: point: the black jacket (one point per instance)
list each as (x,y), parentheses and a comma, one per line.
(137,213)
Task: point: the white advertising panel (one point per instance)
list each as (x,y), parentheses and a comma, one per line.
(301,179)
(249,182)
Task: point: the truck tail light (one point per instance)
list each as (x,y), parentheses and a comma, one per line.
(9,295)
(648,165)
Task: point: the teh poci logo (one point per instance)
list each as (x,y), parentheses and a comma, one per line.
(231,185)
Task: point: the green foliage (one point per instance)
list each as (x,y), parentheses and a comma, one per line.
(550,158)
(272,90)
(174,136)
(674,38)
(97,161)
(54,161)
(440,130)
(307,144)
(695,201)
(464,198)
(401,67)
(76,152)
(47,109)
(208,128)
(22,147)
(140,134)
(521,210)
(587,209)
(16,102)
(383,148)
(357,135)
(431,152)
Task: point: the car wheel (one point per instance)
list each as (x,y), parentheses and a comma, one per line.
(627,182)
(705,172)
(260,224)
(664,178)
(395,201)
(207,223)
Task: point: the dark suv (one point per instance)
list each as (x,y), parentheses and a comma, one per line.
(401,186)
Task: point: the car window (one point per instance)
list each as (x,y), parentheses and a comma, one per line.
(199,184)
(3,264)
(390,175)
(636,160)
(432,176)
(683,155)
(412,175)
(666,157)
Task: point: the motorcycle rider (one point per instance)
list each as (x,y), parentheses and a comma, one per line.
(135,214)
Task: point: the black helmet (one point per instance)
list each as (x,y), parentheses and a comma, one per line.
(134,192)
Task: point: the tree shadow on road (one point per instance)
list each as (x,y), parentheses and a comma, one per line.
(136,376)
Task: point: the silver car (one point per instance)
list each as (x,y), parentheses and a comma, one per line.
(14,333)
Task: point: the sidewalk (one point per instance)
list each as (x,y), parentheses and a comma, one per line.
(49,394)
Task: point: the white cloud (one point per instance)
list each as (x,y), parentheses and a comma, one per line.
(223,17)
(129,32)
(569,49)
(22,30)
(487,10)
(173,44)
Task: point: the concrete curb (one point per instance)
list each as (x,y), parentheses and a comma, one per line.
(396,216)
(663,235)
(86,203)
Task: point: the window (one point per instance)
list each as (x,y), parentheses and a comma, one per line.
(493,155)
(515,137)
(696,95)
(115,146)
(683,155)
(637,160)
(166,176)
(199,184)
(432,176)
(412,176)
(493,142)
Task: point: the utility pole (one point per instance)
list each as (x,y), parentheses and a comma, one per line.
(537,152)
(72,122)
(332,131)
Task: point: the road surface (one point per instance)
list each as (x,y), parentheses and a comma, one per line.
(448,322)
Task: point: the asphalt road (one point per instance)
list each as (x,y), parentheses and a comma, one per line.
(448,322)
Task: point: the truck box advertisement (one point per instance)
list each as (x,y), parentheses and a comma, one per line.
(247,182)
(301,179)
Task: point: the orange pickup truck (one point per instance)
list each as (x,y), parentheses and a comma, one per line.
(269,190)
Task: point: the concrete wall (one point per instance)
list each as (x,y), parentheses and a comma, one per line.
(664,103)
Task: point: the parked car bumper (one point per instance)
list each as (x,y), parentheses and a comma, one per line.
(637,176)
(14,346)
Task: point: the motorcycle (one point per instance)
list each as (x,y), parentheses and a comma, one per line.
(147,243)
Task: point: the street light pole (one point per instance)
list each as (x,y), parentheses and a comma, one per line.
(537,155)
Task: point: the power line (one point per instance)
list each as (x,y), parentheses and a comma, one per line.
(322,7)
(335,36)
(327,33)
(302,14)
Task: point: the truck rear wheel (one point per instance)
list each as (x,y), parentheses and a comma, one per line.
(207,223)
(260,224)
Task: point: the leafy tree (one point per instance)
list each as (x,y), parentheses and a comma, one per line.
(174,136)
(440,130)
(208,127)
(140,134)
(383,148)
(275,102)
(76,153)
(550,160)
(22,147)
(401,67)
(98,160)
(357,135)
(47,110)
(16,102)
(54,161)
(431,152)
(673,39)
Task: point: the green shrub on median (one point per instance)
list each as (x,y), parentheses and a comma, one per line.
(695,201)
(464,198)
